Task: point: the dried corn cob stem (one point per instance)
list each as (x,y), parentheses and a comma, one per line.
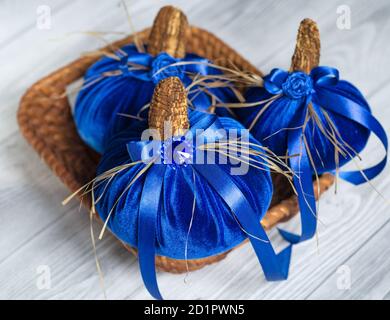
(169,105)
(169,33)
(307,50)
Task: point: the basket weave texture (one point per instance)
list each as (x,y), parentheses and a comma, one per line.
(46,122)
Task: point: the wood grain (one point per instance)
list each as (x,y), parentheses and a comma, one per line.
(36,230)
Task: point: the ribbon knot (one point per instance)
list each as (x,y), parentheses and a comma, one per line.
(143,66)
(163,67)
(178,150)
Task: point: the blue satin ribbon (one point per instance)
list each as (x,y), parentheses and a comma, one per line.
(316,88)
(150,202)
(303,184)
(275,266)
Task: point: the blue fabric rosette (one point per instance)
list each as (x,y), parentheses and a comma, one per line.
(116,91)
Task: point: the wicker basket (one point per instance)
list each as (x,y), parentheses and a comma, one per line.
(47,124)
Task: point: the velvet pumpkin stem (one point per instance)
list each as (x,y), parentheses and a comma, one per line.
(307,50)
(168,108)
(168,33)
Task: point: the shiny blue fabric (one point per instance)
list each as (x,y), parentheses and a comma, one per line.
(214,228)
(154,213)
(349,112)
(99,105)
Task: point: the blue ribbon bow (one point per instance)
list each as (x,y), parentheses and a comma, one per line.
(157,68)
(275,266)
(316,88)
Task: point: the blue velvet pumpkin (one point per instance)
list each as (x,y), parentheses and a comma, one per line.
(285,114)
(214,228)
(114,102)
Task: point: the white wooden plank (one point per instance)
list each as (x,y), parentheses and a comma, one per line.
(364,275)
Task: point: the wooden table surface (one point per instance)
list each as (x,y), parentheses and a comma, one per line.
(45,248)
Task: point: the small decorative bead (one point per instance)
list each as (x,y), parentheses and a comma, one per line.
(161,68)
(177,151)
